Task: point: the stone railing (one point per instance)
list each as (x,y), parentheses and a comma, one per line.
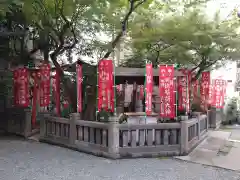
(56,129)
(116,140)
(149,139)
(195,132)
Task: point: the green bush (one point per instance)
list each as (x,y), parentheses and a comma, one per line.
(231,110)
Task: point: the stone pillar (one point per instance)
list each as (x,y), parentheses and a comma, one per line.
(212,117)
(113,137)
(215,117)
(27,124)
(207,123)
(199,126)
(184,137)
(43,124)
(73,129)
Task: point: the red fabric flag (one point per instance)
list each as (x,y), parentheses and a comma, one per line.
(56,90)
(79,87)
(105,86)
(34,101)
(166,91)
(218,93)
(45,71)
(204,89)
(149,88)
(182,93)
(21,87)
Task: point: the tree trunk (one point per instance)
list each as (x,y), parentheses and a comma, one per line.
(90,112)
(68,85)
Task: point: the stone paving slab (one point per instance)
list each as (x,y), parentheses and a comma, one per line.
(30,160)
(205,152)
(218,150)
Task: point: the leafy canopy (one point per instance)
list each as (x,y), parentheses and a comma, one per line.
(189,38)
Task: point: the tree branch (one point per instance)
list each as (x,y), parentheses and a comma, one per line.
(202,66)
(158,54)
(133,6)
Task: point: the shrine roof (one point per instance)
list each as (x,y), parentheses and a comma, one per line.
(119,71)
(124,71)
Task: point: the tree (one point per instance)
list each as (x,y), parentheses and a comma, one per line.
(59,26)
(189,39)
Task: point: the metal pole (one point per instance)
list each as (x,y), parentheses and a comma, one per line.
(114,90)
(176,96)
(187,107)
(145,90)
(97,99)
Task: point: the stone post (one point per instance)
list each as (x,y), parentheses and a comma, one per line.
(212,117)
(113,137)
(43,124)
(27,124)
(184,137)
(207,125)
(73,129)
(199,126)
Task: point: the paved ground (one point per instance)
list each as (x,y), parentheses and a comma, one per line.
(27,160)
(220,149)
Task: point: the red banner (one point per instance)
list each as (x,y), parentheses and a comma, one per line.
(188,75)
(218,93)
(204,89)
(105,86)
(183,96)
(21,87)
(56,92)
(187,91)
(149,88)
(166,91)
(45,71)
(110,91)
(79,87)
(211,90)
(34,98)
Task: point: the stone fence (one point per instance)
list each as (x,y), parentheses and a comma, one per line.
(114,140)
(17,120)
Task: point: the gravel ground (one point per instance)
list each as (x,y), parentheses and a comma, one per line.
(27,160)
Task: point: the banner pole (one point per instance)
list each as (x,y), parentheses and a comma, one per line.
(145,90)
(188,96)
(97,99)
(176,96)
(114,89)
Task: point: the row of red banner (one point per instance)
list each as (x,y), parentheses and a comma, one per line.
(21,87)
(184,85)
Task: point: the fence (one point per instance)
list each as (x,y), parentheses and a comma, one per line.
(116,140)
(18,121)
